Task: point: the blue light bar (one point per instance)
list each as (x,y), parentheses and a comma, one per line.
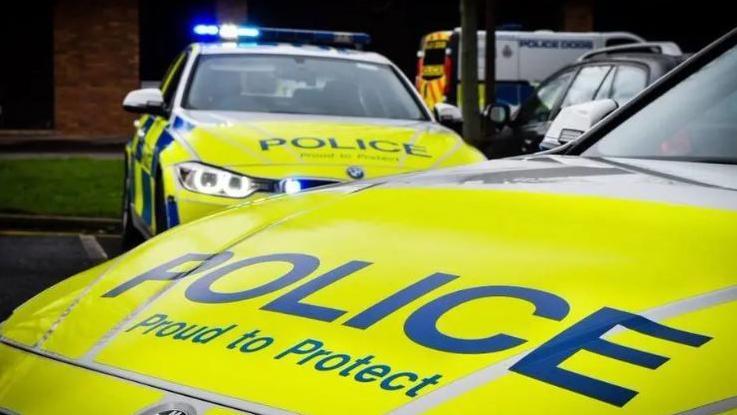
(315,37)
(206,30)
(248,32)
(320,37)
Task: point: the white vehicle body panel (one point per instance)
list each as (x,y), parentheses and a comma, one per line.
(533,56)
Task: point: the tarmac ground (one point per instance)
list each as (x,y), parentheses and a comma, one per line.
(31,261)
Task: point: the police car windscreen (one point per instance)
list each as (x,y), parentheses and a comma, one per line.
(300,85)
(696,120)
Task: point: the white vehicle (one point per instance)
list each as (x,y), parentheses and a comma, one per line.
(597,97)
(523,60)
(618,73)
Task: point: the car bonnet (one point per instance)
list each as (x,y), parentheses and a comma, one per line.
(465,290)
(272,144)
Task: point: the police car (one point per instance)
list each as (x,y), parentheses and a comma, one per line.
(599,280)
(250,112)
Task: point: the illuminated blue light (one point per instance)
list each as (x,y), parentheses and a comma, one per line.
(291,186)
(206,30)
(232,33)
(248,32)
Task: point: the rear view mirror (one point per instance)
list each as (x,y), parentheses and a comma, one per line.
(575,120)
(145,101)
(448,115)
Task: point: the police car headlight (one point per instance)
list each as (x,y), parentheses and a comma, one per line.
(210,180)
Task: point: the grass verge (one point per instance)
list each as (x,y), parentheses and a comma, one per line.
(64,186)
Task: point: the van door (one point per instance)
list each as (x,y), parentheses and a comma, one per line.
(507,59)
(543,54)
(507,70)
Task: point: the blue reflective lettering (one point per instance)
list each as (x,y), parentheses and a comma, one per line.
(386,146)
(543,363)
(201,291)
(421,326)
(163,272)
(303,142)
(397,300)
(415,150)
(289,303)
(271,142)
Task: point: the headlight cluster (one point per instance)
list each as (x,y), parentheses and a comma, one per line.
(209,180)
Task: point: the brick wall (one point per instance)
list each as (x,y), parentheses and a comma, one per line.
(95,65)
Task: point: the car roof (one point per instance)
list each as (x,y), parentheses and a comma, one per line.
(657,63)
(222,48)
(640,57)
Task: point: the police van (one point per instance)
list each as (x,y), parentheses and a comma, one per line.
(523,60)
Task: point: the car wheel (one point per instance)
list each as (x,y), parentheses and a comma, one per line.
(131,237)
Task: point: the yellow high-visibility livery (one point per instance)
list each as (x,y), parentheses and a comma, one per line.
(601,279)
(234,121)
(434,67)
(455,292)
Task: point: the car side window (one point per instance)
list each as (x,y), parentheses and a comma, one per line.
(586,84)
(538,107)
(171,79)
(628,82)
(605,90)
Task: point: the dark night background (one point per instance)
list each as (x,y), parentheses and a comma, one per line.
(28,93)
(397,25)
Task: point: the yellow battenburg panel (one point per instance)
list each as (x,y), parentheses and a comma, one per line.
(33,319)
(431,79)
(407,146)
(76,334)
(322,148)
(35,385)
(245,329)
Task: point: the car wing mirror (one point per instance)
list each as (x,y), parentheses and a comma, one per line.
(499,114)
(575,120)
(145,101)
(448,115)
